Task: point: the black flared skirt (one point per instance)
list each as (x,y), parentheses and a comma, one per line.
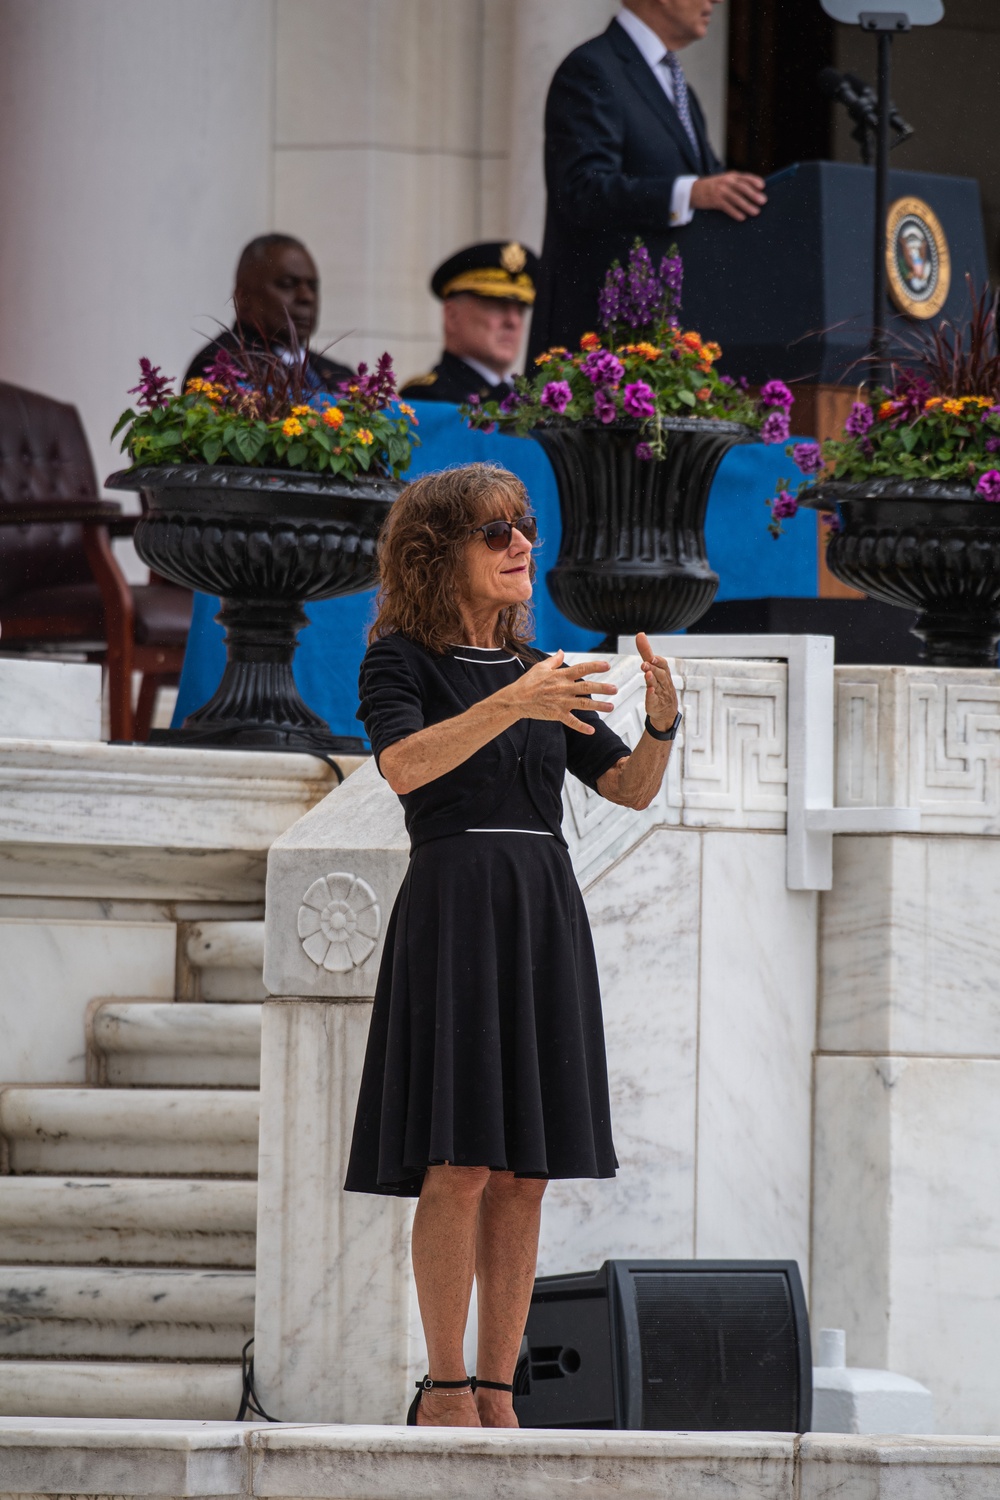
(486,1045)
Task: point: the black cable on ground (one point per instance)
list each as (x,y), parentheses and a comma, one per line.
(250,1403)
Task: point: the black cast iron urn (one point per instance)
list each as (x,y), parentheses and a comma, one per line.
(633,530)
(926,546)
(267,541)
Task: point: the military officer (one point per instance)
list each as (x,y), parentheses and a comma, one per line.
(486,291)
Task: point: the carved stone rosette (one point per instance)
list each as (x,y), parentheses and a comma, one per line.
(633,531)
(266,541)
(930,547)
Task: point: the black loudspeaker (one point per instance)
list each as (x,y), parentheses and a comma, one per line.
(669,1346)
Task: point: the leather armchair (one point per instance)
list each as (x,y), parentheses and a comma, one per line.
(60,584)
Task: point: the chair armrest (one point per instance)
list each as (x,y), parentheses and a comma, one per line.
(30,512)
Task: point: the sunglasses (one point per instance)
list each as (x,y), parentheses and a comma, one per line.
(498,533)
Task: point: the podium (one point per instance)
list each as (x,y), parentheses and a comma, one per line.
(788,295)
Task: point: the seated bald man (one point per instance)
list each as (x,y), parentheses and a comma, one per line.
(277,283)
(486,291)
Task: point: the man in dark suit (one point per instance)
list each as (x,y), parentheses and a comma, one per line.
(277,285)
(486,291)
(626,154)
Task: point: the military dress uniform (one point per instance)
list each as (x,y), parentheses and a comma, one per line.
(498,270)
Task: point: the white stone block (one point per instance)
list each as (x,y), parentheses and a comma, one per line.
(756,1035)
(848,1399)
(49,700)
(333,1287)
(906,1223)
(52,971)
(645,919)
(911,947)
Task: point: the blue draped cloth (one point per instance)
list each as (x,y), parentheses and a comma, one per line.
(749,562)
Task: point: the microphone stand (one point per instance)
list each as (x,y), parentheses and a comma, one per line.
(884,24)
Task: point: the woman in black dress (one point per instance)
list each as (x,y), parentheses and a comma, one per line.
(485,1074)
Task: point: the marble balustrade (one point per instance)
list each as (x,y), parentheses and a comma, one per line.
(794,1074)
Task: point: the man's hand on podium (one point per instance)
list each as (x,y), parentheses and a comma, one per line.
(737,194)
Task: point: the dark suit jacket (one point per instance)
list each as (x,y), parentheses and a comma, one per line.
(614,145)
(453,380)
(324,374)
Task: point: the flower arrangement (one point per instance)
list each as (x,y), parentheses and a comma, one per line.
(642,367)
(938,419)
(253,407)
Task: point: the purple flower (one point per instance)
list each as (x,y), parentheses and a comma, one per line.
(860,420)
(488,427)
(557,395)
(993,444)
(776,393)
(225,371)
(783,506)
(989,485)
(672,276)
(830,519)
(808,458)
(643,451)
(776,428)
(604,406)
(610,302)
(510,403)
(638,400)
(602,368)
(153,388)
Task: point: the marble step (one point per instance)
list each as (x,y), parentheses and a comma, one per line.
(169,1221)
(140,1043)
(119,1389)
(123,1312)
(226,960)
(175,1132)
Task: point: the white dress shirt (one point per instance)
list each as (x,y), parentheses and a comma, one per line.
(652,49)
(490,376)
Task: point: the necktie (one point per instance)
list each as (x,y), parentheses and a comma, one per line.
(681,101)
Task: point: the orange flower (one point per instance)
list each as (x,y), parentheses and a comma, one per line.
(711,352)
(333,417)
(558,349)
(932,402)
(590,341)
(291,427)
(409,412)
(301,411)
(647,351)
(705,394)
(542,359)
(691,340)
(364,437)
(953,408)
(886,410)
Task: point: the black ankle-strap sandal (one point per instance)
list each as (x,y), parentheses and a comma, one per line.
(427,1384)
(490,1385)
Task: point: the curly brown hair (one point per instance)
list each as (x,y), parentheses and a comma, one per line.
(420,555)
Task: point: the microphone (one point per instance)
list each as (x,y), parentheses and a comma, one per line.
(867,96)
(841,87)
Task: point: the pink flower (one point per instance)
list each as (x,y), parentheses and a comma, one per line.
(604,407)
(557,395)
(776,393)
(638,399)
(989,485)
(776,427)
(601,367)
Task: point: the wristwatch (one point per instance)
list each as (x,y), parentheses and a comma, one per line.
(664,734)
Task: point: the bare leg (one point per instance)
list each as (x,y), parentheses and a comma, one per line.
(506,1253)
(444,1257)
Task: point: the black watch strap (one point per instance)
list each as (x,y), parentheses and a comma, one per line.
(664,734)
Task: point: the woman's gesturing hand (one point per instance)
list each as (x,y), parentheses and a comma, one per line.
(550,690)
(661,695)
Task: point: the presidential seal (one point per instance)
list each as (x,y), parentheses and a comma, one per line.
(917,258)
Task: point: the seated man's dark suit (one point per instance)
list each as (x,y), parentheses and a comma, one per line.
(614,145)
(323,374)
